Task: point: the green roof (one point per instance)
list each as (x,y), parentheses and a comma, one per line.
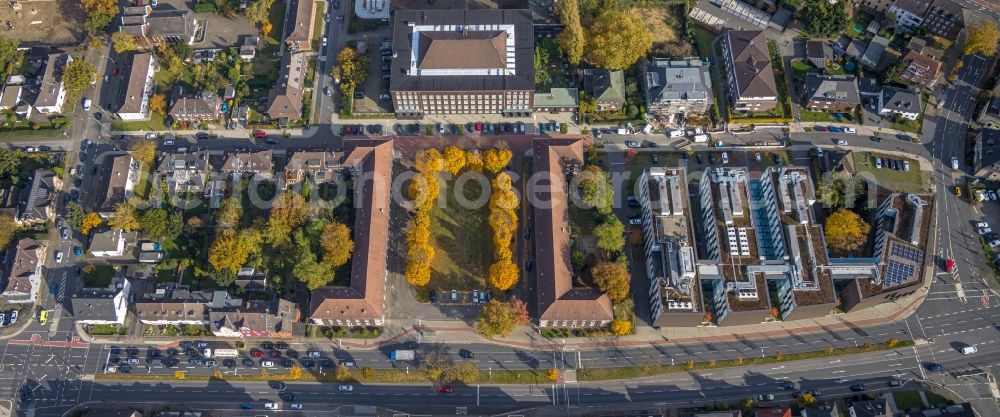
(605,85)
(558,97)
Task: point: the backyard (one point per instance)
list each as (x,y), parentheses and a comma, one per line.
(97,276)
(857,27)
(155,123)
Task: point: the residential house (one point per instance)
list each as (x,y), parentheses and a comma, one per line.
(870,408)
(874,52)
(109,243)
(920,69)
(909,13)
(877,6)
(485,67)
(249,164)
(52,92)
(557,100)
(817,52)
(831,92)
(677,87)
(750,75)
(606,88)
(284,102)
(37,202)
(250,279)
(989,116)
(174,305)
(899,101)
(318,167)
(560,303)
(101,305)
(150,26)
(201,108)
(249,48)
(11,97)
(946,18)
(821,411)
(987,155)
(22,271)
(185,172)
(258,318)
(119,176)
(302,21)
(134,103)
(773,412)
(362,302)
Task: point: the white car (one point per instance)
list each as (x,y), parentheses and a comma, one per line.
(295,406)
(270,406)
(13,316)
(954,162)
(850,130)
(345,388)
(267,364)
(151,135)
(984,230)
(632,144)
(906,165)
(59,256)
(993,243)
(839,142)
(982,225)
(86,104)
(324,41)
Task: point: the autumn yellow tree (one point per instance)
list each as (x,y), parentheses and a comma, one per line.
(552,374)
(90,221)
(230,251)
(428,161)
(618,38)
(424,190)
(495,160)
(501,318)
(266,28)
(805,400)
(845,231)
(613,278)
(288,211)
(982,39)
(336,243)
(621,327)
(572,40)
(454,159)
(474,161)
(503,274)
(158,103)
(124,218)
(143,150)
(123,42)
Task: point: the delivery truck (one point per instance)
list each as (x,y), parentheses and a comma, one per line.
(402,355)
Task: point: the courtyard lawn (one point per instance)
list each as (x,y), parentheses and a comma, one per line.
(99,278)
(463,242)
(912,126)
(890,179)
(800,67)
(155,123)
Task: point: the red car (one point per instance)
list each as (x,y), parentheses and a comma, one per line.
(260,134)
(257,353)
(820,128)
(949,266)
(479,127)
(446,389)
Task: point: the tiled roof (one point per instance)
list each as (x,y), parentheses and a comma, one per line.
(751,63)
(19,265)
(285,100)
(37,197)
(135,89)
(837,89)
(456,50)
(247,162)
(604,85)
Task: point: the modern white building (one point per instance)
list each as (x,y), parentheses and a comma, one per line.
(101,305)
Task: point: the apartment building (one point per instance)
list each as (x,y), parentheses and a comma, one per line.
(750,75)
(677,87)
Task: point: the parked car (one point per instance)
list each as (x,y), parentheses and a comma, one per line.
(857,387)
(765,397)
(850,130)
(633,144)
(345,388)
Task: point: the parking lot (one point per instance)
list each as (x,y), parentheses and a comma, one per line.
(219,30)
(374,94)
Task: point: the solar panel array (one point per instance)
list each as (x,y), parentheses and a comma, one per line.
(739,242)
(906,252)
(897,273)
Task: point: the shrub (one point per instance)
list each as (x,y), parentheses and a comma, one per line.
(205,7)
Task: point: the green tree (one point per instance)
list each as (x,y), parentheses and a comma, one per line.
(501,318)
(595,189)
(8,49)
(613,278)
(610,234)
(7,231)
(307,269)
(75,214)
(257,12)
(823,19)
(99,14)
(982,39)
(77,76)
(160,224)
(10,165)
(617,39)
(572,39)
(123,42)
(124,218)
(229,214)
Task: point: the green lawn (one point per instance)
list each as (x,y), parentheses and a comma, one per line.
(800,67)
(462,239)
(912,126)
(100,278)
(936,400)
(835,68)
(816,116)
(155,122)
(906,400)
(900,181)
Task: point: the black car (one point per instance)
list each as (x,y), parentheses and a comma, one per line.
(151,352)
(857,387)
(308,363)
(201,135)
(895,383)
(414,129)
(131,351)
(287,363)
(115,351)
(287,396)
(359,95)
(194,362)
(125,369)
(697,157)
(326,363)
(247,362)
(398,128)
(229,363)
(281,345)
(172,352)
(777,159)
(114,360)
(83,156)
(292,353)
(935,367)
(466,353)
(787,385)
(277,385)
(711,159)
(267,345)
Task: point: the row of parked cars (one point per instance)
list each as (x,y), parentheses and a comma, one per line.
(835,129)
(896,164)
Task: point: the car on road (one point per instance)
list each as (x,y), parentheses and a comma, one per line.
(820,128)
(211,363)
(281,346)
(194,362)
(840,142)
(934,367)
(857,387)
(327,19)
(308,363)
(345,388)
(765,397)
(786,385)
(954,162)
(266,345)
(132,361)
(466,353)
(349,364)
(257,353)
(287,396)
(632,144)
(124,369)
(291,353)
(895,383)
(327,91)
(835,129)
(295,406)
(984,230)
(115,351)
(64,233)
(270,406)
(969,349)
(850,130)
(359,95)
(86,104)
(59,256)
(287,363)
(446,389)
(246,406)
(229,363)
